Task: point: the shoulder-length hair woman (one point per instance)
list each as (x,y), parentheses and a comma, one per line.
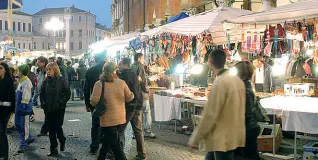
(245,70)
(54,95)
(116,94)
(7,105)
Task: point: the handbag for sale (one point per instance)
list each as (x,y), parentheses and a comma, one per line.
(100,108)
(259,112)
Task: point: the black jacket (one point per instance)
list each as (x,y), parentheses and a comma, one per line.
(63,72)
(133,84)
(54,94)
(139,70)
(7,94)
(250,120)
(92,76)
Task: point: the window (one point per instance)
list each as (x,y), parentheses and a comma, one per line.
(13,26)
(19,26)
(60,33)
(29,46)
(0,25)
(72,19)
(56,45)
(61,46)
(87,19)
(72,46)
(34,45)
(79,45)
(64,33)
(6,25)
(64,45)
(42,45)
(80,18)
(86,32)
(19,45)
(80,33)
(72,33)
(49,46)
(30,27)
(23,27)
(40,20)
(23,45)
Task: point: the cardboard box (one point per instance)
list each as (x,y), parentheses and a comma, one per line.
(311,151)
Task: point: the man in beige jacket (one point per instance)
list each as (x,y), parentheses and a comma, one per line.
(222,127)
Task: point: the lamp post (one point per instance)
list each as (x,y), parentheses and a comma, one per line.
(54,25)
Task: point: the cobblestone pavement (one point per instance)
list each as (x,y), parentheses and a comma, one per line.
(168,145)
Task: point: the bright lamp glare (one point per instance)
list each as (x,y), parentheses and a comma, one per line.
(196,69)
(233,71)
(180,68)
(309,52)
(54,24)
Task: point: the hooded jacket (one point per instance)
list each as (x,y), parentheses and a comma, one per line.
(23,97)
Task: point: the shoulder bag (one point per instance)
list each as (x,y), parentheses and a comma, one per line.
(100,107)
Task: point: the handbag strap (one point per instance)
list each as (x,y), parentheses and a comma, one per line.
(102,95)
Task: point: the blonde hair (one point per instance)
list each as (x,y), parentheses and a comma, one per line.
(55,67)
(109,74)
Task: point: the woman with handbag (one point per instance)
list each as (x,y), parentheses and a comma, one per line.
(109,96)
(245,71)
(7,105)
(54,95)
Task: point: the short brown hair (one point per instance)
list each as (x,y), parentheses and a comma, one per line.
(245,70)
(43,60)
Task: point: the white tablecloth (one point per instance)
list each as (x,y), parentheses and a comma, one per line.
(166,108)
(299,114)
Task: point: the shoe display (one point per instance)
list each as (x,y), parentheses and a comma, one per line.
(53,152)
(42,134)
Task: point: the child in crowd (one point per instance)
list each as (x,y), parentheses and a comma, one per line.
(23,108)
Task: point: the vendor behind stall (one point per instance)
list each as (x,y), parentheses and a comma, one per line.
(263,77)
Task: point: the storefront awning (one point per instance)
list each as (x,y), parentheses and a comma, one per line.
(296,11)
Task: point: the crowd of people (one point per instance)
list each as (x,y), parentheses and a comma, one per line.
(50,83)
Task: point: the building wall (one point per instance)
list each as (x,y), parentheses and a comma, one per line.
(82,31)
(24,37)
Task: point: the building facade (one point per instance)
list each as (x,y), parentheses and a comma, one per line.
(22,31)
(136,15)
(79,26)
(102,32)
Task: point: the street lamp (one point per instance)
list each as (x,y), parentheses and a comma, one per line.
(54,25)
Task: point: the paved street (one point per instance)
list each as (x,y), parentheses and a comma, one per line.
(77,124)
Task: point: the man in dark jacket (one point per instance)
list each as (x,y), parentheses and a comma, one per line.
(263,80)
(60,63)
(92,76)
(133,108)
(138,68)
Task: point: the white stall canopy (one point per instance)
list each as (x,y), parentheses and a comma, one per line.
(296,11)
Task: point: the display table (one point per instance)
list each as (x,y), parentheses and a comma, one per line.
(299,114)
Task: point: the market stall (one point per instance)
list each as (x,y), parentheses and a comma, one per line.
(288,36)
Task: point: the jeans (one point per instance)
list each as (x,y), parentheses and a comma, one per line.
(22,123)
(111,141)
(72,87)
(229,155)
(45,126)
(4,145)
(250,150)
(95,133)
(80,88)
(135,119)
(147,120)
(55,123)
(35,96)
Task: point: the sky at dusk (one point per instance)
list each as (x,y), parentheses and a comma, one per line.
(101,8)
